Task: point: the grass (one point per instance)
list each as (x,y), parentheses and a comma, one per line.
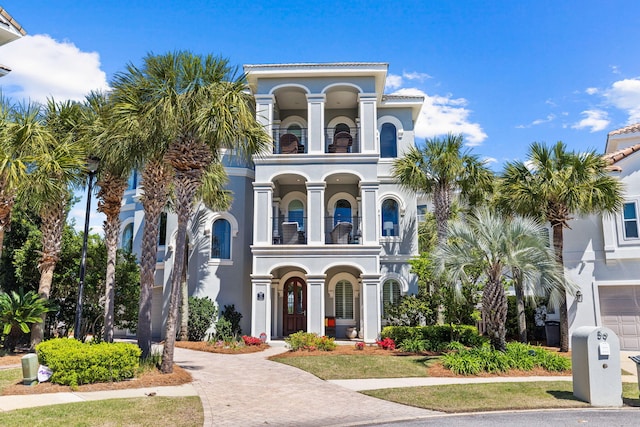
(147,411)
(495,396)
(9,377)
(356,367)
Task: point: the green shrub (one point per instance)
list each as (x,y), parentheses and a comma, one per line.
(310,342)
(436,337)
(229,312)
(223,331)
(74,363)
(462,363)
(202,312)
(552,361)
(413,345)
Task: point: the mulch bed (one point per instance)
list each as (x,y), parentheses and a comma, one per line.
(212,348)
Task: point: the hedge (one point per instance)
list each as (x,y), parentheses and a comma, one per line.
(74,363)
(436,337)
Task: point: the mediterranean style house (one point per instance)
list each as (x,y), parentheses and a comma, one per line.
(602,253)
(10,30)
(319,233)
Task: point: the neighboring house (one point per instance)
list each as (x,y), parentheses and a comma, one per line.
(319,233)
(602,253)
(10,30)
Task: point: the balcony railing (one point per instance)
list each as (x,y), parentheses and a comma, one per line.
(289,231)
(297,141)
(285,142)
(342,230)
(342,141)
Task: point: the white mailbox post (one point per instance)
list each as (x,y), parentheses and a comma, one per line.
(596,366)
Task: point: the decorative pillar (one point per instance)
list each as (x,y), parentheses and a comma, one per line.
(368,119)
(264,112)
(262,211)
(275,215)
(261,306)
(370,306)
(315,304)
(370,220)
(275,313)
(315,212)
(315,107)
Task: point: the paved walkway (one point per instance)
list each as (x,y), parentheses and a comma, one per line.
(250,390)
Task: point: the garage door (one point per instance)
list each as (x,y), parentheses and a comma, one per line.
(620,311)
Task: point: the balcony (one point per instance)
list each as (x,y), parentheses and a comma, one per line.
(289,231)
(286,142)
(338,231)
(337,140)
(342,140)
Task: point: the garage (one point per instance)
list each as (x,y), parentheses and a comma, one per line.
(620,311)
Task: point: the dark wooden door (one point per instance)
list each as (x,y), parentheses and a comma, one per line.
(295,306)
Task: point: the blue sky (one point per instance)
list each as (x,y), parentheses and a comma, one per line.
(503,73)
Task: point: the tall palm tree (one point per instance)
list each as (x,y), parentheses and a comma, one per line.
(113,172)
(555,184)
(60,166)
(498,246)
(444,170)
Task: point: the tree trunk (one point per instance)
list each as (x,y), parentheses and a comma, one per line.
(520,309)
(156,178)
(184,300)
(558,246)
(53,219)
(494,306)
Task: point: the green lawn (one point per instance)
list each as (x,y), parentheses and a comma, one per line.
(9,377)
(147,411)
(344,367)
(494,397)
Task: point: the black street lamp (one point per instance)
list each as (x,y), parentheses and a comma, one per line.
(92,166)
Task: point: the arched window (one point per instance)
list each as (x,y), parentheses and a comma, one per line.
(296,213)
(390,294)
(127,238)
(390,218)
(342,212)
(388,145)
(344,300)
(221,239)
(295,130)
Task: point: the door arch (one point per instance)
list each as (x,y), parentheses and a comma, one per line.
(294,306)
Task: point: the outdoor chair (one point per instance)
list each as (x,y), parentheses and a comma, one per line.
(289,144)
(340,233)
(290,234)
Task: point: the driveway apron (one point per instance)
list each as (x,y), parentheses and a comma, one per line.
(249,390)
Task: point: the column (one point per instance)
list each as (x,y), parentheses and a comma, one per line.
(368,119)
(261,306)
(315,212)
(275,215)
(370,220)
(370,306)
(276,315)
(262,208)
(315,304)
(315,107)
(264,112)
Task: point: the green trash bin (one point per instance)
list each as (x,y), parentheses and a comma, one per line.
(29,369)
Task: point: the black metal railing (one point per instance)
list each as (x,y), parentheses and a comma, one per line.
(289,231)
(290,142)
(342,141)
(342,230)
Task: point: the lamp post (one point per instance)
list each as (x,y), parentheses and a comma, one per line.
(92,166)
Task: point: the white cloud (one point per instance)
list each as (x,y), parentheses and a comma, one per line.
(489,160)
(536,122)
(393,82)
(43,67)
(625,95)
(443,114)
(591,90)
(416,76)
(595,121)
(614,69)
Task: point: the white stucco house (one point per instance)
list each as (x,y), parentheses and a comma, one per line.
(602,253)
(10,30)
(319,233)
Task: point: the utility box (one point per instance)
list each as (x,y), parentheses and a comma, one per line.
(29,369)
(596,366)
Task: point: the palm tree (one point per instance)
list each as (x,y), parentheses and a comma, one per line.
(194,107)
(444,170)
(17,311)
(498,246)
(112,183)
(61,165)
(553,185)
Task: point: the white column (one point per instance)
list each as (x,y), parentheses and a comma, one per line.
(261,306)
(315,213)
(275,215)
(368,119)
(264,112)
(276,315)
(315,107)
(315,304)
(370,220)
(262,213)
(370,306)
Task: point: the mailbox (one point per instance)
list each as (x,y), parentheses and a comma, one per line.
(596,368)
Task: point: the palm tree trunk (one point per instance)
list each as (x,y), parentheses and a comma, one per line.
(558,246)
(520,311)
(494,305)
(6,206)
(53,219)
(111,234)
(156,178)
(184,301)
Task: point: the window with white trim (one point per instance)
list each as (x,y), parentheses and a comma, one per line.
(390,215)
(127,238)
(221,239)
(388,142)
(390,294)
(630,221)
(344,300)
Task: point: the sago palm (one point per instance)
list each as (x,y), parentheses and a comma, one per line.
(553,185)
(17,312)
(497,246)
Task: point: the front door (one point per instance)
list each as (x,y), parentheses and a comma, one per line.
(294,317)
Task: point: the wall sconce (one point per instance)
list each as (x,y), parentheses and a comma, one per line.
(579,296)
(260,296)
